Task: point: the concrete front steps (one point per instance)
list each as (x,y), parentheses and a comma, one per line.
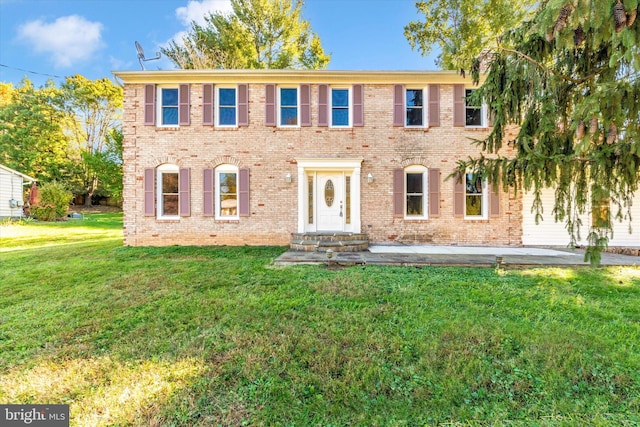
(337,242)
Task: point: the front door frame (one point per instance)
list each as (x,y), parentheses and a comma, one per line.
(347,167)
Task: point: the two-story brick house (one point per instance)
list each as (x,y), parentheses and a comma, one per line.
(233,157)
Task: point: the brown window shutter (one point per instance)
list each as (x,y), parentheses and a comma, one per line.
(207,193)
(434,105)
(494,201)
(434,192)
(184,183)
(323,105)
(398,105)
(183,104)
(398,193)
(243,105)
(358,105)
(270,105)
(243,193)
(489,117)
(458,196)
(458,105)
(149,105)
(149,192)
(207,104)
(305,105)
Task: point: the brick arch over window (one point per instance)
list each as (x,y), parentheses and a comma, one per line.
(399,191)
(223,160)
(159,161)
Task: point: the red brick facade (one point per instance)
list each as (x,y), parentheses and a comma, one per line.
(278,202)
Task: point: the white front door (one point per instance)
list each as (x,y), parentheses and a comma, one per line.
(330,201)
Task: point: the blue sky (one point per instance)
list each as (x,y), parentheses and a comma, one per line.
(94,37)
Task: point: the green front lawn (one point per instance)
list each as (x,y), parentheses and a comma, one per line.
(207,336)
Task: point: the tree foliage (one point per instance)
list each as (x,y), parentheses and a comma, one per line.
(96,107)
(258,34)
(54,202)
(569,80)
(69,134)
(32,131)
(462,29)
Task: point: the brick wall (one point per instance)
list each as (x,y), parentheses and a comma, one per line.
(270,154)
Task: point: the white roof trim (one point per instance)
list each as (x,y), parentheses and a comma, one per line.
(14,172)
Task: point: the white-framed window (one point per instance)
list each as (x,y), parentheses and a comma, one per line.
(476,201)
(167,107)
(226,178)
(415,111)
(168,195)
(288,107)
(340,107)
(226,106)
(475,115)
(416,192)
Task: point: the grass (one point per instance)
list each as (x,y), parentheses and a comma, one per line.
(218,336)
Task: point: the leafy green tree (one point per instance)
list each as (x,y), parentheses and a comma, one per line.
(32,131)
(96,107)
(462,29)
(258,34)
(569,80)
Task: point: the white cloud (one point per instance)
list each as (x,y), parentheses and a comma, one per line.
(68,39)
(197,10)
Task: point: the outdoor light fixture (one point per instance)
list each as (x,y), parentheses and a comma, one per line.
(370,178)
(287,178)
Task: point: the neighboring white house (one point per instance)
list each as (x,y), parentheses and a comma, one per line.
(548,232)
(11,192)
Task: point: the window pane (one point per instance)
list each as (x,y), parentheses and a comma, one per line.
(169,97)
(414,183)
(169,204)
(340,117)
(227,97)
(414,116)
(473,186)
(227,116)
(467,95)
(170,183)
(228,196)
(170,116)
(473,205)
(348,200)
(289,97)
(340,98)
(473,116)
(414,205)
(288,116)
(414,98)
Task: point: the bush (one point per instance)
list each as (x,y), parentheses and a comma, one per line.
(54,202)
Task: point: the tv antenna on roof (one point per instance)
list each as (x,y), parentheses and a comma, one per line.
(141,57)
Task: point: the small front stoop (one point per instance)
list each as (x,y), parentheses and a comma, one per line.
(338,242)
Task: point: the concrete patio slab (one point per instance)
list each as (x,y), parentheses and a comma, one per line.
(454,256)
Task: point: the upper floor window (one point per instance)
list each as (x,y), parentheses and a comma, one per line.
(474,114)
(340,116)
(168,106)
(414,101)
(288,106)
(226,107)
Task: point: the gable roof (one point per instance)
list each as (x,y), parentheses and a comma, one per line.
(14,172)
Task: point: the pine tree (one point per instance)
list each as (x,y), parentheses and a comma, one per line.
(569,79)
